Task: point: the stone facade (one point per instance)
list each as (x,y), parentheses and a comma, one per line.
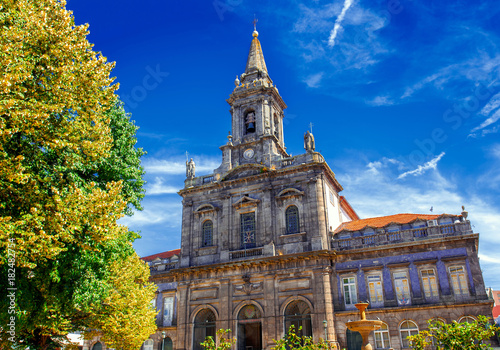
(267,241)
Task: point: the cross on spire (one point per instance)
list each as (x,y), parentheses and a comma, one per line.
(311,127)
(255,20)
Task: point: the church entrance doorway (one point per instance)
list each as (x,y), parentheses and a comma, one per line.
(354,340)
(249,328)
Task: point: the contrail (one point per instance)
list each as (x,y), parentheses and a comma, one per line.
(336,27)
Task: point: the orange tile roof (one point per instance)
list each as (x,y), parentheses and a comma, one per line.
(163,255)
(383,221)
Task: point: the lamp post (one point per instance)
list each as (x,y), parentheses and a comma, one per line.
(163,334)
(325,326)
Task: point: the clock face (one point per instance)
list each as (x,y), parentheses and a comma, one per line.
(248,153)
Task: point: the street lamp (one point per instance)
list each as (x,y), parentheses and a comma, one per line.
(163,334)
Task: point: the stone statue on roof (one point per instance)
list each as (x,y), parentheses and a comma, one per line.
(309,143)
(190,166)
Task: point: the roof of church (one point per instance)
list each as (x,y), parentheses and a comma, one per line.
(163,255)
(348,209)
(383,221)
(255,59)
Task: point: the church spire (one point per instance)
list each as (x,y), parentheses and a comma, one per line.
(255,61)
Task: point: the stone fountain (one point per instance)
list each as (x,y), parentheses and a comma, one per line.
(364,326)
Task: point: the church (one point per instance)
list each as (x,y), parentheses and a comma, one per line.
(268,242)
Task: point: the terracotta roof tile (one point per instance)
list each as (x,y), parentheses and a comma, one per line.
(383,221)
(163,255)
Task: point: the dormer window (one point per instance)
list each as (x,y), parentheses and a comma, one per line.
(250,122)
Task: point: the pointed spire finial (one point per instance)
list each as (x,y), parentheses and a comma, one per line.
(255,32)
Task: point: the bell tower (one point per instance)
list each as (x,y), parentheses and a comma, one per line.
(257,116)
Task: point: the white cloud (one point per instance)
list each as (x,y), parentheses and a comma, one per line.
(490,120)
(177,167)
(338,23)
(432,164)
(155,212)
(158,187)
(381,101)
(314,80)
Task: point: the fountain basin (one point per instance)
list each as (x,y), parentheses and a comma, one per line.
(362,326)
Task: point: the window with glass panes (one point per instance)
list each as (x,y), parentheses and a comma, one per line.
(375,289)
(458,281)
(382,337)
(292,219)
(350,295)
(248,230)
(429,283)
(207,229)
(406,329)
(402,287)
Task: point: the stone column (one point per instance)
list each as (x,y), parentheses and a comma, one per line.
(323,306)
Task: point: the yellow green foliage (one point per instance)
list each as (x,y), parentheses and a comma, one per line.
(454,335)
(68,171)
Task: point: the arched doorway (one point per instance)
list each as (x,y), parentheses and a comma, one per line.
(354,340)
(167,344)
(249,328)
(298,314)
(204,326)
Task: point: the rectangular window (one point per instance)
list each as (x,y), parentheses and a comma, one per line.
(375,288)
(332,198)
(458,281)
(402,286)
(248,230)
(429,283)
(350,295)
(168,311)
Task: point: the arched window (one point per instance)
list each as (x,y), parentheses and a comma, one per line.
(207,229)
(406,329)
(382,337)
(97,346)
(167,344)
(467,319)
(250,122)
(292,219)
(204,326)
(298,314)
(148,345)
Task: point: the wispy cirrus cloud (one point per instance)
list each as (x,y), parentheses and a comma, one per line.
(491,110)
(432,164)
(314,80)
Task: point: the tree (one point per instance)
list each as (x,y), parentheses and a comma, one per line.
(69,170)
(454,336)
(294,341)
(224,342)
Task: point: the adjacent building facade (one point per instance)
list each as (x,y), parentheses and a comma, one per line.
(269,242)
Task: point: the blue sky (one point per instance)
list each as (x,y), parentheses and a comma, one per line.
(404,98)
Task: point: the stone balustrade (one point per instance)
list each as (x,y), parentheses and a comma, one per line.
(415,234)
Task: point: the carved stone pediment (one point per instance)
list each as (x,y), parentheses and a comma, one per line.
(242,171)
(205,209)
(246,202)
(289,193)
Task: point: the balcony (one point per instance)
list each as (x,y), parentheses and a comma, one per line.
(160,268)
(245,253)
(411,235)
